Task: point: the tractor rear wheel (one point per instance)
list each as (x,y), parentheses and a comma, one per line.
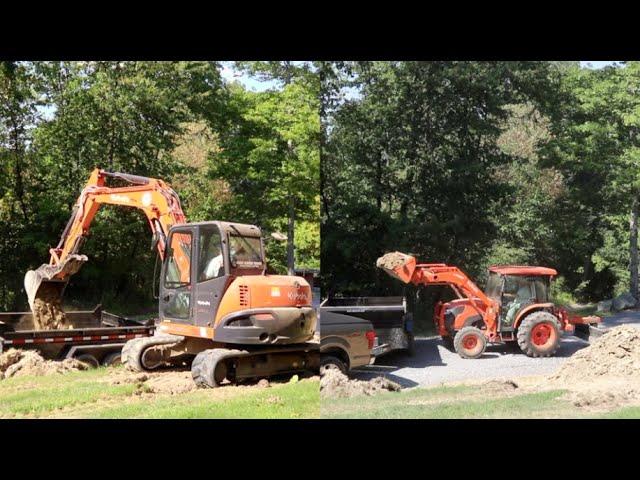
(539,334)
(470,342)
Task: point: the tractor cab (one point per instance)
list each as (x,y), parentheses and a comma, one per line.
(515,288)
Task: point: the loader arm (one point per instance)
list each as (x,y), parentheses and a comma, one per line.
(154,197)
(406,269)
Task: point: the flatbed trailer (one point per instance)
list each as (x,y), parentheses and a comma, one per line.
(97,337)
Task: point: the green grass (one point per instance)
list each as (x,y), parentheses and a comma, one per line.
(449,402)
(298,400)
(87,395)
(624,413)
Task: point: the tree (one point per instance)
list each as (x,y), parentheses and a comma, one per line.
(597,145)
(270,160)
(300,74)
(409,164)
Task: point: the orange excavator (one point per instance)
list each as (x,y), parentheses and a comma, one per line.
(218,309)
(514,307)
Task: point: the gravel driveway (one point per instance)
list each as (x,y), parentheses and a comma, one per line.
(434,364)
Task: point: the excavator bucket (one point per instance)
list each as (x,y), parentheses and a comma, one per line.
(45,286)
(398,265)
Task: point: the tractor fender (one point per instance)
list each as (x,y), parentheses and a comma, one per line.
(530,308)
(474,321)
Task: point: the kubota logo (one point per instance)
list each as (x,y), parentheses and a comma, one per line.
(119,198)
(297,296)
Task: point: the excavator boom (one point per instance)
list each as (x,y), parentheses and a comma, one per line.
(158,201)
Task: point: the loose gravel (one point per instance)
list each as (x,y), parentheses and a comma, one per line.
(434,364)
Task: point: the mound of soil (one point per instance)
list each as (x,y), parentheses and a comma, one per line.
(499,386)
(334,384)
(614,355)
(171,383)
(18,363)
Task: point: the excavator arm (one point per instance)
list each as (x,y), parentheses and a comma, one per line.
(405,268)
(156,199)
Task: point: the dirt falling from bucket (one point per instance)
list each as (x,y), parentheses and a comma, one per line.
(48,313)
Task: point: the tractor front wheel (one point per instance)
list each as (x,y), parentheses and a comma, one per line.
(539,334)
(470,342)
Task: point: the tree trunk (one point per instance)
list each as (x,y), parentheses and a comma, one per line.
(290,237)
(633,248)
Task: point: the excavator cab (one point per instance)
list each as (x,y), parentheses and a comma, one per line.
(201,261)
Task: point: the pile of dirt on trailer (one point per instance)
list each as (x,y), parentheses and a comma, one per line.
(19,363)
(335,384)
(614,355)
(392,260)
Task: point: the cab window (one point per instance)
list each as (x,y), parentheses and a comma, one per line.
(178,271)
(211,261)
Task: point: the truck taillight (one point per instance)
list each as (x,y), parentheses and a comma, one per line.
(371,336)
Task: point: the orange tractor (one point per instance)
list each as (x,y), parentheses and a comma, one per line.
(218,309)
(514,307)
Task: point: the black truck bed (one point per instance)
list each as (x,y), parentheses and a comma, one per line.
(388,315)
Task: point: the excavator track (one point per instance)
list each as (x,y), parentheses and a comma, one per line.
(211,367)
(137,354)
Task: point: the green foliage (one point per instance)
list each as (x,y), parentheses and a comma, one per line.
(474,164)
(172,120)
(270,159)
(411,164)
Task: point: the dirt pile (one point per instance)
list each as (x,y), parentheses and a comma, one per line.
(18,363)
(614,355)
(334,384)
(499,386)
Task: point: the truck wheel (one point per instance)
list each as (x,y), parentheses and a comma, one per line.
(469,342)
(539,334)
(329,362)
(112,359)
(88,359)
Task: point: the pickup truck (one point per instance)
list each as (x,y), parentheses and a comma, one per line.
(346,342)
(392,324)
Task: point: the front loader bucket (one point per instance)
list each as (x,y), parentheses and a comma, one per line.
(45,286)
(398,265)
